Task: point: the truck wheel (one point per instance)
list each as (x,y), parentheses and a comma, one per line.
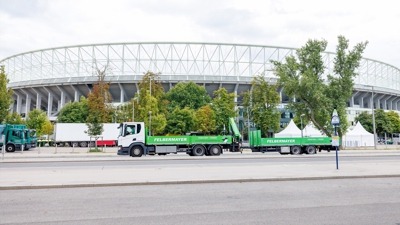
(91,144)
(137,151)
(215,150)
(83,144)
(198,150)
(311,149)
(295,150)
(10,148)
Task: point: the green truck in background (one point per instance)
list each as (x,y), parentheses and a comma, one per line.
(16,136)
(12,137)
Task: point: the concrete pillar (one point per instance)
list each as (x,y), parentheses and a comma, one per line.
(28,105)
(377,100)
(49,104)
(38,101)
(122,93)
(19,103)
(362,97)
(352,99)
(384,102)
(62,101)
(236,90)
(77,94)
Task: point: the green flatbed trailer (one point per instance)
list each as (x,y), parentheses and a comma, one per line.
(295,145)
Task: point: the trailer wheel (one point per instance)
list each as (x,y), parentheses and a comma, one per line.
(215,150)
(311,149)
(295,150)
(83,144)
(198,150)
(137,151)
(10,148)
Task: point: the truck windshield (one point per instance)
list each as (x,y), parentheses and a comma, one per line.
(32,133)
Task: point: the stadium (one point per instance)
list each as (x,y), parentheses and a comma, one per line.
(47,79)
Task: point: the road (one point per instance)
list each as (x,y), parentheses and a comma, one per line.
(125,171)
(345,201)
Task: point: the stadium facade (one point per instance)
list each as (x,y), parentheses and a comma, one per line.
(47,79)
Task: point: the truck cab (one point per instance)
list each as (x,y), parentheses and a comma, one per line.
(31,139)
(14,138)
(130,133)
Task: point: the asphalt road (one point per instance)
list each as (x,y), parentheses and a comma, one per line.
(313,202)
(165,161)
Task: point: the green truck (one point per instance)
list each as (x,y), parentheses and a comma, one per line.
(30,136)
(295,146)
(13,137)
(134,141)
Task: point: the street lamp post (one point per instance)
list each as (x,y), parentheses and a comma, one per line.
(150,123)
(301,122)
(373,115)
(133,109)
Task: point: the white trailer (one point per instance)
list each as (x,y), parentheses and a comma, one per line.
(73,134)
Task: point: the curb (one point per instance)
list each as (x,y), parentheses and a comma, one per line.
(194,182)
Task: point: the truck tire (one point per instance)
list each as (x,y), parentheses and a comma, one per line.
(83,144)
(91,144)
(215,150)
(198,150)
(137,151)
(10,148)
(311,149)
(295,150)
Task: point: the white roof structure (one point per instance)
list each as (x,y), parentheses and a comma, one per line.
(358,137)
(311,131)
(291,130)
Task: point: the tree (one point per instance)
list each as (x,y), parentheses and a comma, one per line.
(382,123)
(180,121)
(302,79)
(262,101)
(36,120)
(223,105)
(365,119)
(74,112)
(6,95)
(99,105)
(48,128)
(187,95)
(394,120)
(153,101)
(205,120)
(14,118)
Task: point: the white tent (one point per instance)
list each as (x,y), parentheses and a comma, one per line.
(311,131)
(358,137)
(291,130)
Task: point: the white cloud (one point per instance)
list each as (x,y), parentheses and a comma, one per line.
(28,25)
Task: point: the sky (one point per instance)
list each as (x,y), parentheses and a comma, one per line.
(27,25)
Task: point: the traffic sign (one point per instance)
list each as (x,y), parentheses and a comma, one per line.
(335,118)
